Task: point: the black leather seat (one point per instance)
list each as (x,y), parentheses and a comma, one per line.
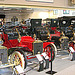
(13,35)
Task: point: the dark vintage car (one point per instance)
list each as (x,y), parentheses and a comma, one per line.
(45,31)
(66,26)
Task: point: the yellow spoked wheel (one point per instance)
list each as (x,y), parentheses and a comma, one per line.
(18,58)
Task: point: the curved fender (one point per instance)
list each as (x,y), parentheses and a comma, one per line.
(11,50)
(46,43)
(52,43)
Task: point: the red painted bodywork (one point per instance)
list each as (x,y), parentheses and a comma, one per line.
(24,27)
(57,33)
(53,28)
(26,41)
(9,43)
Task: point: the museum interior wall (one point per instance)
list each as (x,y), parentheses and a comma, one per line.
(56,3)
(36,14)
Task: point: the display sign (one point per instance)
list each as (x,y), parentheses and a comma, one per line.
(39,57)
(41,0)
(66,11)
(71,49)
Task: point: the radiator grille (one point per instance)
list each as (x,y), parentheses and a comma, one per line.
(37,47)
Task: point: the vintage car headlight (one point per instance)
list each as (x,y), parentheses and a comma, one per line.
(19,39)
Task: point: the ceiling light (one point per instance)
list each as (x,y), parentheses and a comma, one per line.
(29,9)
(6,9)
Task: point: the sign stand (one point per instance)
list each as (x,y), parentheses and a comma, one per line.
(51,72)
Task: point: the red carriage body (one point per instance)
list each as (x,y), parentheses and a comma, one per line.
(25,47)
(26,42)
(56,34)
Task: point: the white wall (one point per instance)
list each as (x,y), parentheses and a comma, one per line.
(38,14)
(56,3)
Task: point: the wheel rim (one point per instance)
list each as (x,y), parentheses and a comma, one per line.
(47,49)
(17,58)
(70,56)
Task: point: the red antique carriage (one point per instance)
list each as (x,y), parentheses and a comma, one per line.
(23,48)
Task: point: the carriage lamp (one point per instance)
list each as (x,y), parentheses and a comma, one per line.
(62,33)
(19,39)
(48,37)
(34,36)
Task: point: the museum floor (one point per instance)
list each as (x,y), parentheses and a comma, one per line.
(62,65)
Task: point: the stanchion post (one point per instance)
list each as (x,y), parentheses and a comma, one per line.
(51,72)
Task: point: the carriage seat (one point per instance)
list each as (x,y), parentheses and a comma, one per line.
(13,35)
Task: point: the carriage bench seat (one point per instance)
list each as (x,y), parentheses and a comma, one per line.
(13,35)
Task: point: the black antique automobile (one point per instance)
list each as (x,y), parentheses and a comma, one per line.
(66,26)
(38,31)
(43,31)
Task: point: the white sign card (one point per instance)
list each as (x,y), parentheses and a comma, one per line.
(71,49)
(39,57)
